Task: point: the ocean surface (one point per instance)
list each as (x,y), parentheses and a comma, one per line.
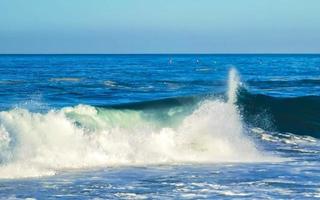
(159,126)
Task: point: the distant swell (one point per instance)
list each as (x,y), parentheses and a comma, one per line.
(285,83)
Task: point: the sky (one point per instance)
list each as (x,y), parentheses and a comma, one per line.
(159,26)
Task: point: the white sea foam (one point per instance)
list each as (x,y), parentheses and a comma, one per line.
(65,79)
(35,144)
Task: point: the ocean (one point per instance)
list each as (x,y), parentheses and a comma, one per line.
(160,126)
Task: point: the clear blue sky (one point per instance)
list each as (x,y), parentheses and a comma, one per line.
(159,26)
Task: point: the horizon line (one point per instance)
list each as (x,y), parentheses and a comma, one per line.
(245,53)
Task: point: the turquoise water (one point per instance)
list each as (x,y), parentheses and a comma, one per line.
(159,126)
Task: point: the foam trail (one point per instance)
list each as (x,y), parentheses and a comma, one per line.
(86,137)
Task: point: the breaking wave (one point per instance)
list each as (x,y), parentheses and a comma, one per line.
(176,131)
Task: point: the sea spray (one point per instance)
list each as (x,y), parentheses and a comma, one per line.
(233,85)
(85,137)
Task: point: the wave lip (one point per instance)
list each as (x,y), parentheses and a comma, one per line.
(298,115)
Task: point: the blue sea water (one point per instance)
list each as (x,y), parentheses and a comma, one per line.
(159,126)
